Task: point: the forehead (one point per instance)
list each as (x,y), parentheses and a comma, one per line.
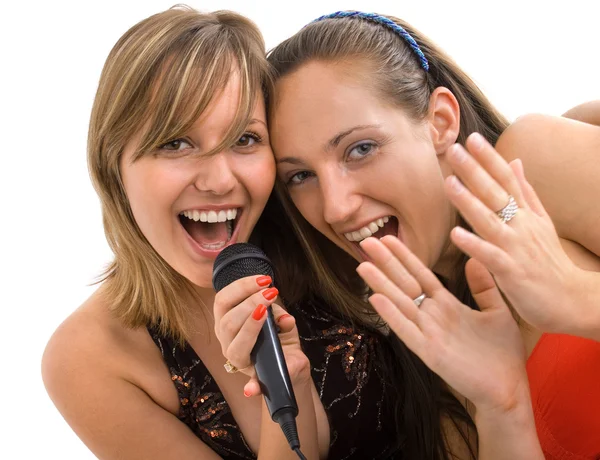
(323,98)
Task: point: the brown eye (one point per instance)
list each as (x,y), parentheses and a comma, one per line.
(247,140)
(175,145)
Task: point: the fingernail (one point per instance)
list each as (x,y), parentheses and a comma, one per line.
(460,233)
(282,317)
(259,312)
(456,184)
(519,164)
(246,394)
(476,140)
(263,280)
(459,153)
(270,293)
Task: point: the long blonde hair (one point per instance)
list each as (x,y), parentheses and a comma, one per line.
(158,79)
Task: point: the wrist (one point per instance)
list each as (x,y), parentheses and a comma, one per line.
(585,295)
(513,401)
(508,434)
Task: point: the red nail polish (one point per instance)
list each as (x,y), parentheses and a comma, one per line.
(246,394)
(282,317)
(259,312)
(270,293)
(263,280)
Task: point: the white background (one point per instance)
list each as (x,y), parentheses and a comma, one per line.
(526,55)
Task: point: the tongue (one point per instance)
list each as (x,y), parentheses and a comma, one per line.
(204,233)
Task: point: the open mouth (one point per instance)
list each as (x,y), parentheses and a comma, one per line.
(378,229)
(211,230)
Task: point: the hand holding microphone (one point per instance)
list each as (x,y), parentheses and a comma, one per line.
(257,336)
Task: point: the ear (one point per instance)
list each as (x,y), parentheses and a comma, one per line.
(444,119)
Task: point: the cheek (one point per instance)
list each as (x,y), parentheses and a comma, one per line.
(151,189)
(258,175)
(309,203)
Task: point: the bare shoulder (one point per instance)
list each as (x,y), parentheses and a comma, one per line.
(113,388)
(89,342)
(81,343)
(545,140)
(561,161)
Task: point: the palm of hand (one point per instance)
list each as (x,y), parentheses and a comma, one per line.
(479,354)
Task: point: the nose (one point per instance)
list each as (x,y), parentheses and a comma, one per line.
(215,175)
(340,198)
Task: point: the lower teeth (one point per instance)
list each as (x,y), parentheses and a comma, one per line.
(213,246)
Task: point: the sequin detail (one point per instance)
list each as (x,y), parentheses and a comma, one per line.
(346,379)
(345,375)
(201,405)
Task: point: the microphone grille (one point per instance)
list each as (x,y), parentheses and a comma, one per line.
(238,261)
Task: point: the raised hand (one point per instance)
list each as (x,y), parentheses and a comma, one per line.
(478,353)
(521,249)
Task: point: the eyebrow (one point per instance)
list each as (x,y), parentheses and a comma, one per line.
(256,120)
(333,142)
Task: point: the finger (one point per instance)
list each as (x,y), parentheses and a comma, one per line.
(231,323)
(390,266)
(404,328)
(476,178)
(236,292)
(483,287)
(529,193)
(495,259)
(483,220)
(252,388)
(489,158)
(429,283)
(283,319)
(238,351)
(381,284)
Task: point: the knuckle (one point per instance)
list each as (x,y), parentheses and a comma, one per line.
(228,327)
(233,356)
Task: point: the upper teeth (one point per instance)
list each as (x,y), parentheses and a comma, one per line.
(367,230)
(211,216)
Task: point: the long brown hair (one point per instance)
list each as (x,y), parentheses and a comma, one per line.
(395,74)
(158,79)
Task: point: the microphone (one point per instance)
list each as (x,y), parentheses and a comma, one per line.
(238,261)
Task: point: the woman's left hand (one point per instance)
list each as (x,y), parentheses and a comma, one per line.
(523,252)
(478,353)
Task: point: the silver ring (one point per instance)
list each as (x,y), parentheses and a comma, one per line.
(419,300)
(509,211)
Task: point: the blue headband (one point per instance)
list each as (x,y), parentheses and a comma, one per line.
(386,23)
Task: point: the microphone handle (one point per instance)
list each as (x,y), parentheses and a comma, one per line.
(272,372)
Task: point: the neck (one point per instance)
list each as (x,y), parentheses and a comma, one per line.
(447,264)
(201,309)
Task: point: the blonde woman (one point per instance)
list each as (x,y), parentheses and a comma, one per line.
(179,155)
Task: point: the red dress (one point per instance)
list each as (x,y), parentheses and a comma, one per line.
(564,377)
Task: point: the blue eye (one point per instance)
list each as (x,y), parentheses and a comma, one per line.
(361,150)
(298,178)
(176,145)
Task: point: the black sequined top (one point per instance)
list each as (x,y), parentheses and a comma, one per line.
(345,375)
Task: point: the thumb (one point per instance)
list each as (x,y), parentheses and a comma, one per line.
(284,320)
(252,388)
(483,287)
